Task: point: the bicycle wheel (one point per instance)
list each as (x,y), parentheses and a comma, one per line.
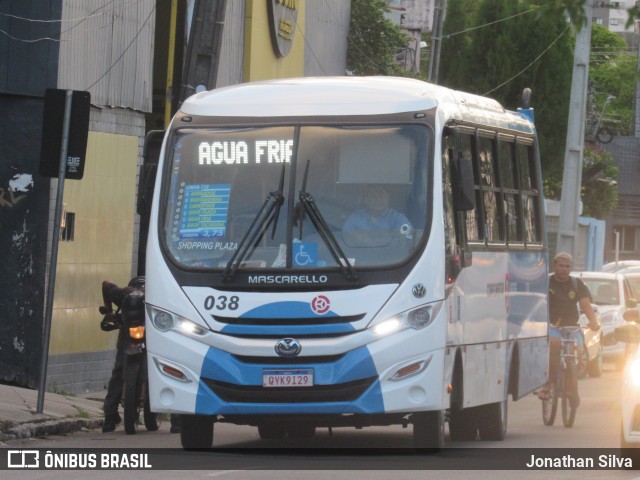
(550,406)
(570,399)
(604,135)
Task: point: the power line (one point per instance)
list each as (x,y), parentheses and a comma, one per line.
(41,39)
(62,32)
(486,24)
(37,20)
(530,64)
(310,49)
(153,8)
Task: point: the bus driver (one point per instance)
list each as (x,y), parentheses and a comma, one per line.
(377,215)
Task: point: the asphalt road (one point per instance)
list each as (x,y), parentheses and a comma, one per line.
(383,452)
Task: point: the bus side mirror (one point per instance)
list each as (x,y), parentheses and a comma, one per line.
(463,187)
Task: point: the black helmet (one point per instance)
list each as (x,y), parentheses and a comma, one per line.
(133,305)
(137,282)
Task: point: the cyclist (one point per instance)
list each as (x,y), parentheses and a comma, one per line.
(565,293)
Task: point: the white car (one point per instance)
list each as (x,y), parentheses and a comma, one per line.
(613,267)
(613,295)
(592,359)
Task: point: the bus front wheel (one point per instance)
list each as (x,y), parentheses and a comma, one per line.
(428,429)
(196,431)
(492,421)
(463,425)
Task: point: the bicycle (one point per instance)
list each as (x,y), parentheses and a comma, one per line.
(596,131)
(566,385)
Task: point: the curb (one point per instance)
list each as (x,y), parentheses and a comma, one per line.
(47,427)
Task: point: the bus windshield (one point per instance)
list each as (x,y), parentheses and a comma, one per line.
(284,197)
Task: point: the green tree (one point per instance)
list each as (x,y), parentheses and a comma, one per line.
(374,41)
(613,72)
(499,58)
(455,45)
(599,194)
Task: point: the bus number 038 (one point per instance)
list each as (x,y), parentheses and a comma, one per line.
(221,303)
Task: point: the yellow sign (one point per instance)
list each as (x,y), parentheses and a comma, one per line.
(283,15)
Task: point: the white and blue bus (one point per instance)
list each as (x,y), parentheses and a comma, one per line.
(346,252)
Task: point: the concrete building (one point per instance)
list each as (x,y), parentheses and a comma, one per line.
(413,17)
(614,15)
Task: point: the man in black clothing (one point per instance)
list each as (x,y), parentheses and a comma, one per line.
(565,294)
(112,294)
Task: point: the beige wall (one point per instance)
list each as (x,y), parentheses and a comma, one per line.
(260,61)
(104,206)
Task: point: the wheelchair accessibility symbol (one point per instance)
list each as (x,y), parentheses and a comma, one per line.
(305,254)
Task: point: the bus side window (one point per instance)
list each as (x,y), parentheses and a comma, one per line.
(511,198)
(450,234)
(472,219)
(530,194)
(493,208)
(456,224)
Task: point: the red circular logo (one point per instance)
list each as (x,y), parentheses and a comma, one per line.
(320,304)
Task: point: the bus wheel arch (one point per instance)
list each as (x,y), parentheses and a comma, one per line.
(513,374)
(462,422)
(492,418)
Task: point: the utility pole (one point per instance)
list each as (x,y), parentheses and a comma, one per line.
(168,103)
(572,173)
(203,50)
(436,39)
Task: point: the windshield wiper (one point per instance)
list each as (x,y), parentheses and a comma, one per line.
(268,214)
(311,209)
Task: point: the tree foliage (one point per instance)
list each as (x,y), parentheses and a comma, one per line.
(374,40)
(499,47)
(612,71)
(599,195)
(500,58)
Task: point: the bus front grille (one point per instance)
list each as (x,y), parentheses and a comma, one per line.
(289,360)
(288,321)
(343,392)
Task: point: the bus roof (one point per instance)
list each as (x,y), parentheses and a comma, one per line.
(320,96)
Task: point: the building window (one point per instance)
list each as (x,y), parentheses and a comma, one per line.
(627,235)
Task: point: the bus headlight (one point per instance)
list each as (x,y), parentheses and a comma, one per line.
(165,321)
(387,327)
(417,319)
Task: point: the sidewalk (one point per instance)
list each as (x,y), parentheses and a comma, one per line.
(61,413)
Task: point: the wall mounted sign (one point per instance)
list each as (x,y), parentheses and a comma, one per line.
(283,16)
